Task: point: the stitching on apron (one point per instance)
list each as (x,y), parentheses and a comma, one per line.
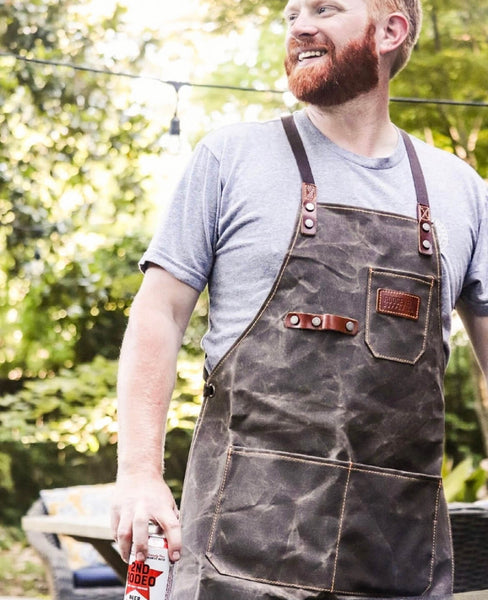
(437,254)
(265,305)
(449,529)
(434,538)
(341,522)
(427,320)
(219,500)
(324,463)
(299,586)
(427,281)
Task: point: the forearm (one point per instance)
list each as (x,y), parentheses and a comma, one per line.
(146,379)
(147,371)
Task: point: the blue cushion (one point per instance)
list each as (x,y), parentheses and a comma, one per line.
(96,576)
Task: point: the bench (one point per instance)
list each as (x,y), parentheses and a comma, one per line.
(74,569)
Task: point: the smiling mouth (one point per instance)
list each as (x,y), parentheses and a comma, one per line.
(311,54)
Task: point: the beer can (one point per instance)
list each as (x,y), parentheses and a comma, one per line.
(153,578)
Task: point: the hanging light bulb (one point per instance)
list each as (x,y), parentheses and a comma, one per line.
(174,126)
(171,140)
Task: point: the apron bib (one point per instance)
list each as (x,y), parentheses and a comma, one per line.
(315,464)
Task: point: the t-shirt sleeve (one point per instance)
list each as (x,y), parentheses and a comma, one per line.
(184,242)
(474,295)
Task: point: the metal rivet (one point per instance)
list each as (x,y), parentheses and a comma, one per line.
(309,223)
(310,206)
(426,244)
(316,321)
(294,320)
(350,326)
(426,227)
(210,390)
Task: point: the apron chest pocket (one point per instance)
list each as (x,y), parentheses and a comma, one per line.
(324,525)
(398,314)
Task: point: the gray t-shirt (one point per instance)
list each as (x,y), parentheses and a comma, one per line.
(232,216)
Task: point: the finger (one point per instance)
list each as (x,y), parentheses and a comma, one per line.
(140,534)
(123,536)
(172,530)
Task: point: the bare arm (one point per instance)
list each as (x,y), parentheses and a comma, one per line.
(147,371)
(477,329)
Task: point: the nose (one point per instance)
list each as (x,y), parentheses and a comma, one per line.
(303,26)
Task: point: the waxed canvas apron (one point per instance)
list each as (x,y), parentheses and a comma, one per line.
(315,465)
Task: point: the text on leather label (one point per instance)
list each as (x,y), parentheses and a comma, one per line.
(399,304)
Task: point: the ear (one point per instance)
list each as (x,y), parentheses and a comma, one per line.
(394,30)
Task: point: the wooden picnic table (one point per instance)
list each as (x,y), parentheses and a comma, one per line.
(93,530)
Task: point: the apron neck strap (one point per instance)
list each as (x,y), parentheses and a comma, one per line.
(426,239)
(298,149)
(425,236)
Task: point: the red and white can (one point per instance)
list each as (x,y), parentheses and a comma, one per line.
(152,579)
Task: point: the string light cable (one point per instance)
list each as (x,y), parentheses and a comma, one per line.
(177,85)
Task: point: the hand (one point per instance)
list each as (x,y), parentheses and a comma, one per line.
(137,500)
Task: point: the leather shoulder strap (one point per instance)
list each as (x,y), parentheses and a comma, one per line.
(426,238)
(298,149)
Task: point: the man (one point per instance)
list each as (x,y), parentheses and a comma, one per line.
(315,466)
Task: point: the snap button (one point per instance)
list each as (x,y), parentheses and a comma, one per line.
(316,321)
(294,320)
(426,244)
(309,223)
(209,390)
(310,206)
(350,326)
(426,227)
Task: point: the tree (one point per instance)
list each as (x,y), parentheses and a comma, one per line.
(450,62)
(73,200)
(73,216)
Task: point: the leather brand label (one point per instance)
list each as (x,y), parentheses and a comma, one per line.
(399,304)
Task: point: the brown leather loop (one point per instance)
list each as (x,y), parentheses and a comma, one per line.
(324,322)
(426,239)
(309,209)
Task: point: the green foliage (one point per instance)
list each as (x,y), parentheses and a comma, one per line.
(229,14)
(463,434)
(62,430)
(74,408)
(73,197)
(463,482)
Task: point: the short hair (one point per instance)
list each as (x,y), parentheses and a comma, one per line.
(412,9)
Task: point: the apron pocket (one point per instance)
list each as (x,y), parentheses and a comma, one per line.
(323,525)
(397,315)
(388,546)
(275,517)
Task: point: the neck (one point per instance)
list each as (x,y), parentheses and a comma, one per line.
(362,125)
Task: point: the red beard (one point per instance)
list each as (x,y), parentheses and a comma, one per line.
(335,78)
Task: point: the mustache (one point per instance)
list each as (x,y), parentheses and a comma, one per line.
(296,46)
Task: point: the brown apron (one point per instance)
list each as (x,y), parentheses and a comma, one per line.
(315,466)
